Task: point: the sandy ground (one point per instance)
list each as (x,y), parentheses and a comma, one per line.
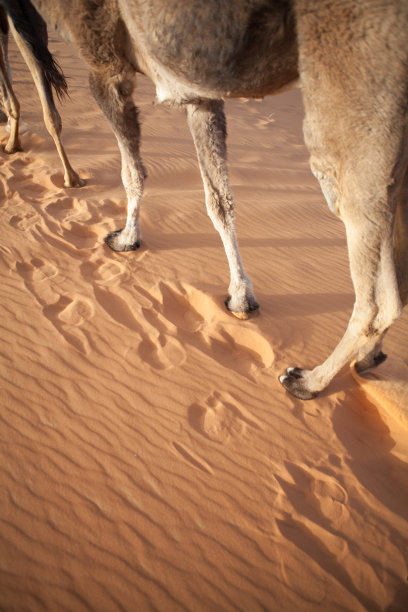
(150,459)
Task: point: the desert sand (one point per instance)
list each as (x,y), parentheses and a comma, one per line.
(150,459)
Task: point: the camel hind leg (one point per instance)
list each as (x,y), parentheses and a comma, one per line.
(52,118)
(376,306)
(11,103)
(357,153)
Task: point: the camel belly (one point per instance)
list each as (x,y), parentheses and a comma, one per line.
(212,49)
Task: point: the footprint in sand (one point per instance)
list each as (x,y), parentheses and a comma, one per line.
(108,272)
(22,183)
(103,272)
(68,209)
(239,347)
(72,311)
(234,344)
(24,222)
(117,308)
(332,499)
(34,274)
(80,235)
(248,339)
(43,270)
(64,312)
(176,306)
(68,315)
(318,492)
(162,354)
(221,418)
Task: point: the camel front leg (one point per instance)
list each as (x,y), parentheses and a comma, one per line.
(206,121)
(114,96)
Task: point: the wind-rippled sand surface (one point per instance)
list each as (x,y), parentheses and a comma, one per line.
(150,460)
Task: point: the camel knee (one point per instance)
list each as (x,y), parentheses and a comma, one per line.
(111,91)
(372,321)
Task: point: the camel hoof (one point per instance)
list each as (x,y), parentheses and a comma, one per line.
(75,182)
(370,363)
(294,382)
(13,149)
(114,243)
(242,314)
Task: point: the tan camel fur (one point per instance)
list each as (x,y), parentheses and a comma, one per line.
(52,118)
(352,62)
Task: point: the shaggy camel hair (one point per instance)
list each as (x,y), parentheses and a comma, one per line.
(352,62)
(42,70)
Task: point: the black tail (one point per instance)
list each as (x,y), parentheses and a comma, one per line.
(31,26)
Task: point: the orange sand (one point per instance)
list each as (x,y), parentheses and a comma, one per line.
(150,458)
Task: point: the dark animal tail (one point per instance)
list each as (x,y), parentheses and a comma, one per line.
(31,26)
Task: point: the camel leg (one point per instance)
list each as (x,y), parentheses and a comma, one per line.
(369,229)
(113,93)
(207,124)
(359,156)
(11,103)
(52,118)
(377,303)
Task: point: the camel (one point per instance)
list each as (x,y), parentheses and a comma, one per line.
(351,61)
(42,81)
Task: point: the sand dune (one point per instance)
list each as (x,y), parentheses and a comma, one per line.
(150,458)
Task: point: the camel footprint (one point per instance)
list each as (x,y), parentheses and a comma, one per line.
(34,275)
(67,315)
(177,309)
(103,272)
(109,272)
(248,339)
(64,312)
(221,418)
(325,494)
(236,344)
(332,499)
(40,270)
(158,349)
(72,311)
(163,353)
(80,235)
(24,222)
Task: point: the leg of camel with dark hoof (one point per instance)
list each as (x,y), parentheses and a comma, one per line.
(206,120)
